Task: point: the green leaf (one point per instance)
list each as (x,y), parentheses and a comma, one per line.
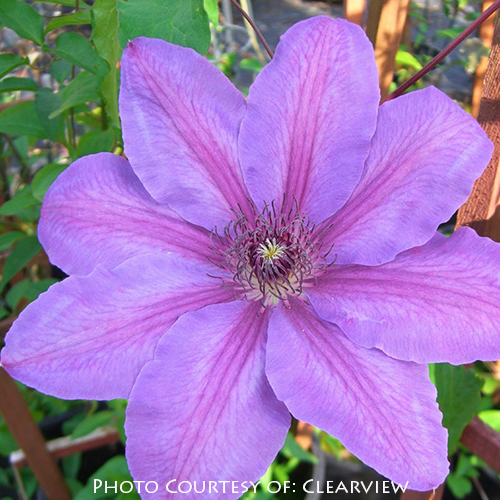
(423,27)
(251,64)
(491,417)
(27,289)
(82,89)
(46,102)
(95,142)
(22,144)
(418,16)
(25,249)
(404,58)
(8,62)
(113,470)
(8,239)
(459,397)
(21,119)
(23,19)
(212,10)
(93,422)
(71,465)
(105,39)
(292,449)
(226,63)
(460,486)
(7,442)
(13,83)
(183,23)
(74,485)
(450,32)
(458,481)
(30,215)
(21,201)
(491,384)
(80,17)
(44,178)
(60,70)
(76,49)
(465,466)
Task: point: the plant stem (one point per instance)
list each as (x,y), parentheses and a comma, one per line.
(104,116)
(254,26)
(452,45)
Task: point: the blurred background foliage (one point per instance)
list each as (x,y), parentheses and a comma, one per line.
(59,82)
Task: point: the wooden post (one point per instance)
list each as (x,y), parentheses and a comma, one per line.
(481,212)
(374,13)
(486,35)
(28,436)
(481,209)
(386,22)
(353,11)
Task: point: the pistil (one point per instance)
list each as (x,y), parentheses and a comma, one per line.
(271,258)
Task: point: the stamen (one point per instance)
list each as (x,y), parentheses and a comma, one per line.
(272,257)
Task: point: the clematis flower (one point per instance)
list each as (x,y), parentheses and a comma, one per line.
(260,258)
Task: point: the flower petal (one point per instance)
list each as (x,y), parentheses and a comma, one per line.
(98,212)
(180,119)
(425,156)
(203,408)
(383,410)
(88,337)
(310,116)
(432,304)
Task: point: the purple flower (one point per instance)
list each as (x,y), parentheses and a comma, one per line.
(265,257)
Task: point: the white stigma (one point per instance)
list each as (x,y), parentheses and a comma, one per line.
(270,250)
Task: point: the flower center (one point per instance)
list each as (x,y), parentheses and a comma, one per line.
(272,257)
(271,250)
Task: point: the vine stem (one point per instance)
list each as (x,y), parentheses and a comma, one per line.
(254,26)
(452,45)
